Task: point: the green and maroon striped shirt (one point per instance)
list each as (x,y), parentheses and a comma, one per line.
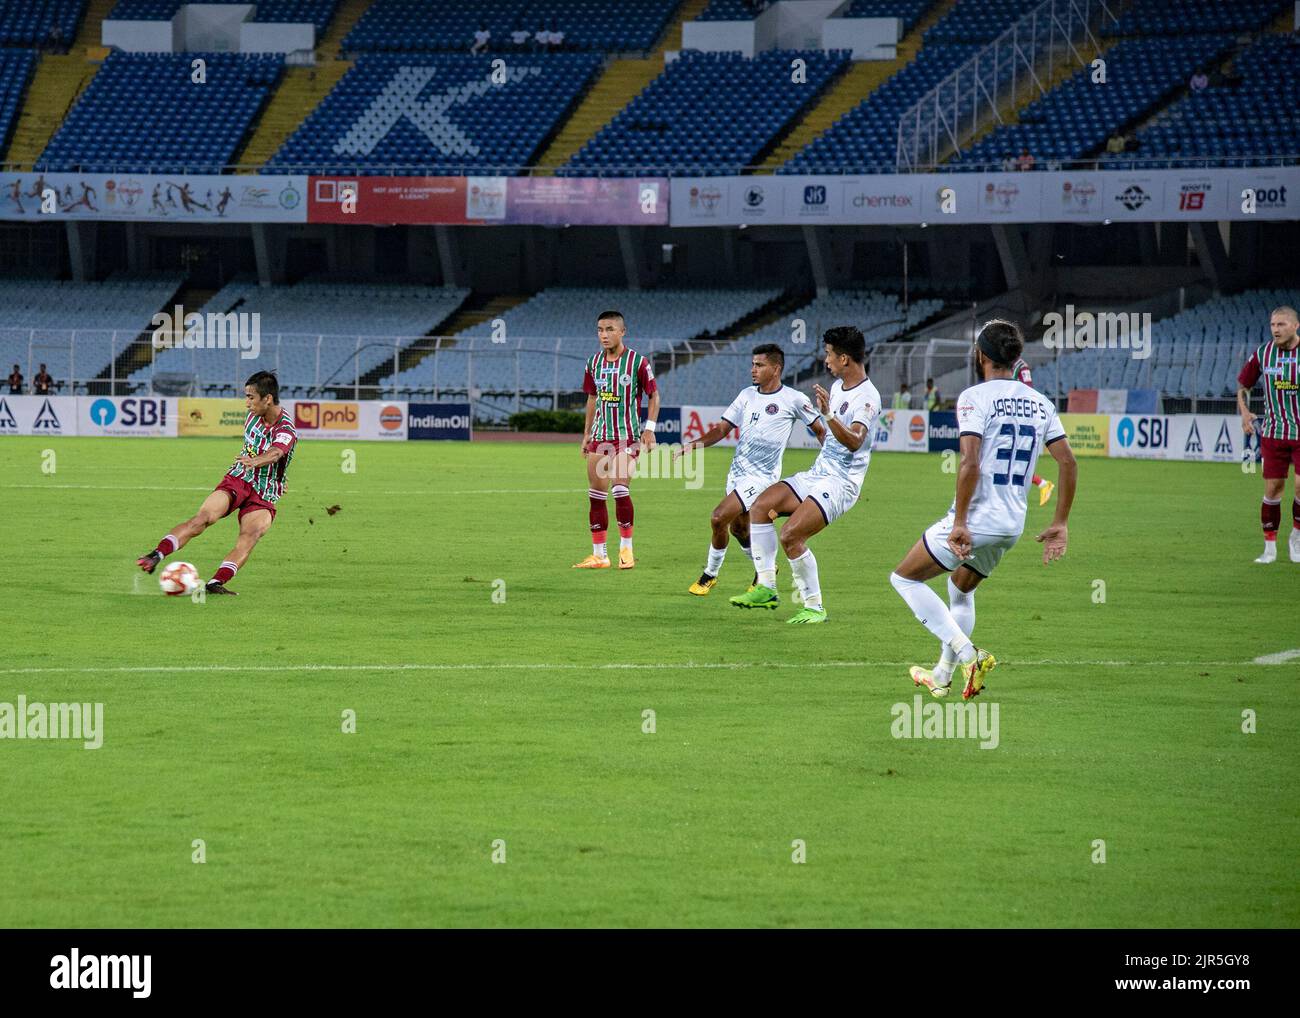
(1280,370)
(267,481)
(618,386)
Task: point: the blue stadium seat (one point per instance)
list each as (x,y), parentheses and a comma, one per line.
(27,23)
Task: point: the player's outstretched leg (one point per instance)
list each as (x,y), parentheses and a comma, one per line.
(780,500)
(961,603)
(909,579)
(806,521)
(214,507)
(726,514)
(251,529)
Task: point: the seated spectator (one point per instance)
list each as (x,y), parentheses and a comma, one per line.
(15,382)
(519,36)
(1009,163)
(557,35)
(42,383)
(1025,161)
(481,39)
(542,40)
(1200,81)
(1115,144)
(1131,143)
(902,398)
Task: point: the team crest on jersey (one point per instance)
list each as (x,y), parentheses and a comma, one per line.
(771,408)
(625,380)
(844,407)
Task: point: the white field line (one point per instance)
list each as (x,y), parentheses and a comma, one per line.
(350,493)
(729,666)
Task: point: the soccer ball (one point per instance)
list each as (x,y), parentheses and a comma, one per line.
(179,578)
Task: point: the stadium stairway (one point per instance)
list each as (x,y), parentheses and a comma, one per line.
(476,310)
(349,12)
(301,91)
(863,78)
(622,81)
(57,84)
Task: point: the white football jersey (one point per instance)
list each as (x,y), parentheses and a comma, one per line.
(1014,423)
(859,405)
(765,420)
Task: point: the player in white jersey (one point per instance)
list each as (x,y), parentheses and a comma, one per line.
(1004,425)
(765,413)
(817,497)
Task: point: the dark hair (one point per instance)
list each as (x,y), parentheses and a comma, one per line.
(929,381)
(611,314)
(771,351)
(847,340)
(1001,342)
(267,384)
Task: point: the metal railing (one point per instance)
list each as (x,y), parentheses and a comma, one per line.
(1028,52)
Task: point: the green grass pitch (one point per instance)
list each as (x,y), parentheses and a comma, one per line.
(522,721)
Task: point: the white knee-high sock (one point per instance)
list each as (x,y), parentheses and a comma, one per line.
(716,555)
(805,575)
(962,607)
(762,541)
(931,612)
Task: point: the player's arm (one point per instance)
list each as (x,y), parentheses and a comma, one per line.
(851,437)
(819,429)
(713,436)
(968,479)
(652,416)
(1055,537)
(271,455)
(586,427)
(1245,382)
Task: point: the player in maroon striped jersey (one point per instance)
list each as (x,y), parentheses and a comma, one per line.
(1277,362)
(1020,372)
(252,485)
(614,381)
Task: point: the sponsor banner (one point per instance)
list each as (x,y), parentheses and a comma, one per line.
(1137,196)
(901,431)
(135,416)
(372,420)
(696,420)
(1216,438)
(485,198)
(1010,197)
(943,431)
(439,421)
(882,199)
(38,415)
(390,200)
(1197,194)
(212,417)
(813,200)
(180,197)
(1134,436)
(586,201)
(703,201)
(756,200)
(1274,192)
(668,429)
(962,188)
(1073,196)
(1088,434)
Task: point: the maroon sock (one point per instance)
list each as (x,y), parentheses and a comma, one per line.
(226,573)
(623,510)
(1270,515)
(167,545)
(597,515)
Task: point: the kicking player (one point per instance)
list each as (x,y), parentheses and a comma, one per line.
(1020,372)
(765,413)
(614,381)
(252,485)
(1278,363)
(1004,425)
(817,497)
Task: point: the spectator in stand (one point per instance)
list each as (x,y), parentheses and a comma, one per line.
(1009,163)
(557,35)
(15,382)
(542,40)
(42,383)
(902,398)
(1115,144)
(519,36)
(1131,143)
(1026,161)
(481,39)
(1200,82)
(931,395)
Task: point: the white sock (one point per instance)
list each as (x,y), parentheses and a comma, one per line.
(716,555)
(599,550)
(962,606)
(624,542)
(762,538)
(805,575)
(931,612)
(749,552)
